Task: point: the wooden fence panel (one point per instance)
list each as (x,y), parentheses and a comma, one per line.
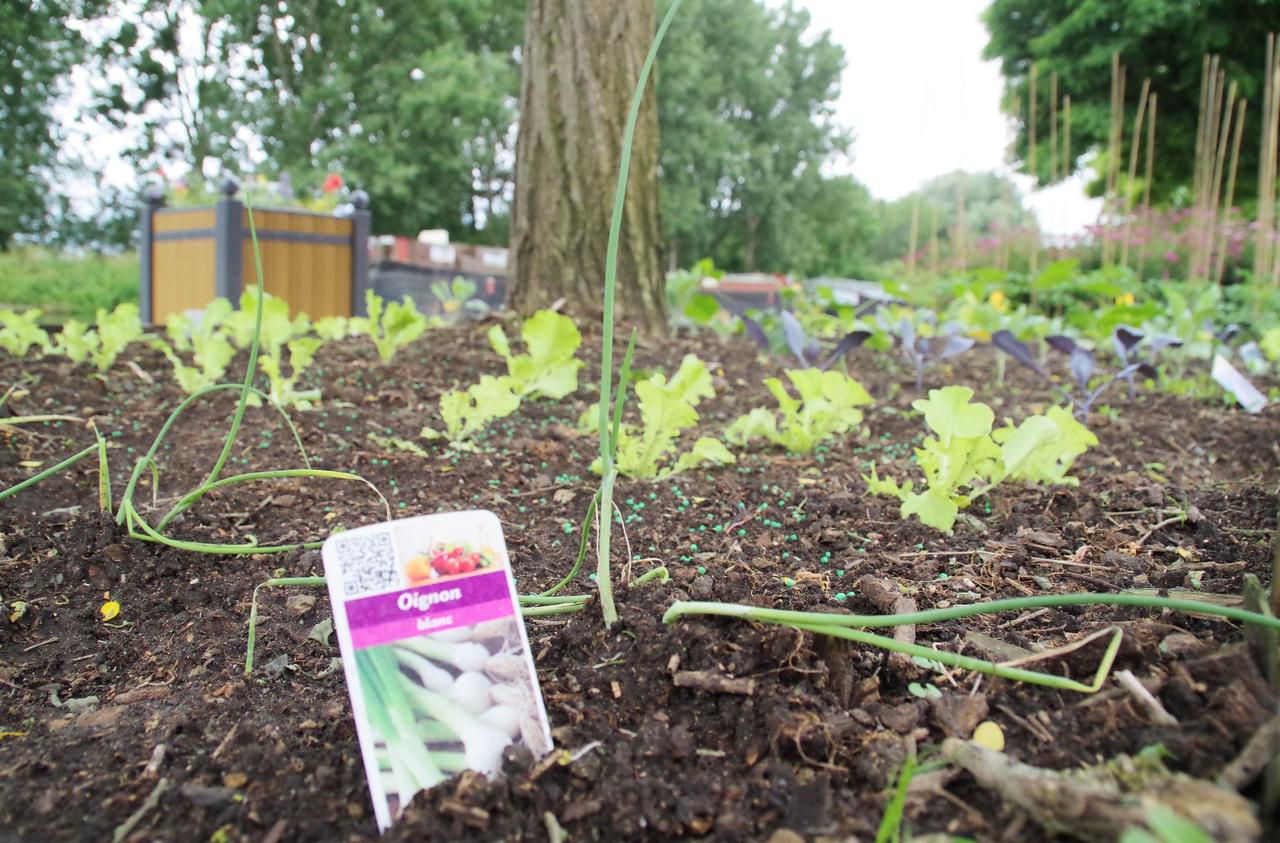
(183,253)
(316,262)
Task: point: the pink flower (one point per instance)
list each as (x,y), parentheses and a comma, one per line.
(332,182)
(1171,256)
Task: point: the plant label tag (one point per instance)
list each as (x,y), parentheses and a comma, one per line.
(434,650)
(1230,379)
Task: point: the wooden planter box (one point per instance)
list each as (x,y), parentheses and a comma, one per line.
(318,263)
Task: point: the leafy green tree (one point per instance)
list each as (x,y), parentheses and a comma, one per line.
(1163,40)
(745,108)
(412,101)
(178,82)
(38,47)
(992,204)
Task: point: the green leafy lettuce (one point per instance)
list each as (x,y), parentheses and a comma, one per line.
(466,412)
(391,326)
(963,459)
(548,368)
(101,344)
(827,407)
(204,338)
(19,332)
(667,409)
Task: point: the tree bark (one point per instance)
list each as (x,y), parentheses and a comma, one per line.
(580,64)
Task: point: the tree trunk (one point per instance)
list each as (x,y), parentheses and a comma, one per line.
(580,64)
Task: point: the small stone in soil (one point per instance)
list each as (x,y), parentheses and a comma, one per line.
(957,716)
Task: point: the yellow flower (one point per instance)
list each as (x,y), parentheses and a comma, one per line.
(109,610)
(1126,298)
(998,301)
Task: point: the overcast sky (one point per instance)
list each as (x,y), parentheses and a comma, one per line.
(922,102)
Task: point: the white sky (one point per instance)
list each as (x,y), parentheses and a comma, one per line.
(916,92)
(922,102)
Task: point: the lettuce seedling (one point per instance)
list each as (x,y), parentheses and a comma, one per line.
(466,412)
(548,369)
(204,337)
(102,344)
(390,326)
(667,409)
(333,328)
(302,352)
(19,332)
(964,460)
(827,406)
(277,327)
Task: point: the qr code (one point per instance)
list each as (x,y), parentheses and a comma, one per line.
(368,563)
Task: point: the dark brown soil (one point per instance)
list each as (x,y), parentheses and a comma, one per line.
(178,736)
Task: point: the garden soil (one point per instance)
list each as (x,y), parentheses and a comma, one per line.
(144,728)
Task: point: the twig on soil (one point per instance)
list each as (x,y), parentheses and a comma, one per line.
(1156,712)
(153,764)
(1176,519)
(231,733)
(276,832)
(718,683)
(540,491)
(1262,749)
(1023,618)
(1030,725)
(40,644)
(1094,581)
(126,828)
(888,599)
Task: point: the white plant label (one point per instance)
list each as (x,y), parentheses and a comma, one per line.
(434,650)
(1230,379)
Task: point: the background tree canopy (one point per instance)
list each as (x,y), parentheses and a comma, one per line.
(417,105)
(1163,40)
(992,203)
(37,51)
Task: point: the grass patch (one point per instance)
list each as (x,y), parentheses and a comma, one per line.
(66,286)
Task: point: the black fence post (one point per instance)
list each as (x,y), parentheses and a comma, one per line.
(228,244)
(361,225)
(152,201)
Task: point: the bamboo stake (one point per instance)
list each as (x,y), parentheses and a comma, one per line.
(961,229)
(1114,139)
(1266,247)
(1146,190)
(1031,127)
(933,242)
(915,234)
(1067,163)
(1273,149)
(1201,123)
(1261,235)
(1134,145)
(1053,128)
(1215,187)
(1221,266)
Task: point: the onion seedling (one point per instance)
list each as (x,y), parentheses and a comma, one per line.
(850,627)
(608,432)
